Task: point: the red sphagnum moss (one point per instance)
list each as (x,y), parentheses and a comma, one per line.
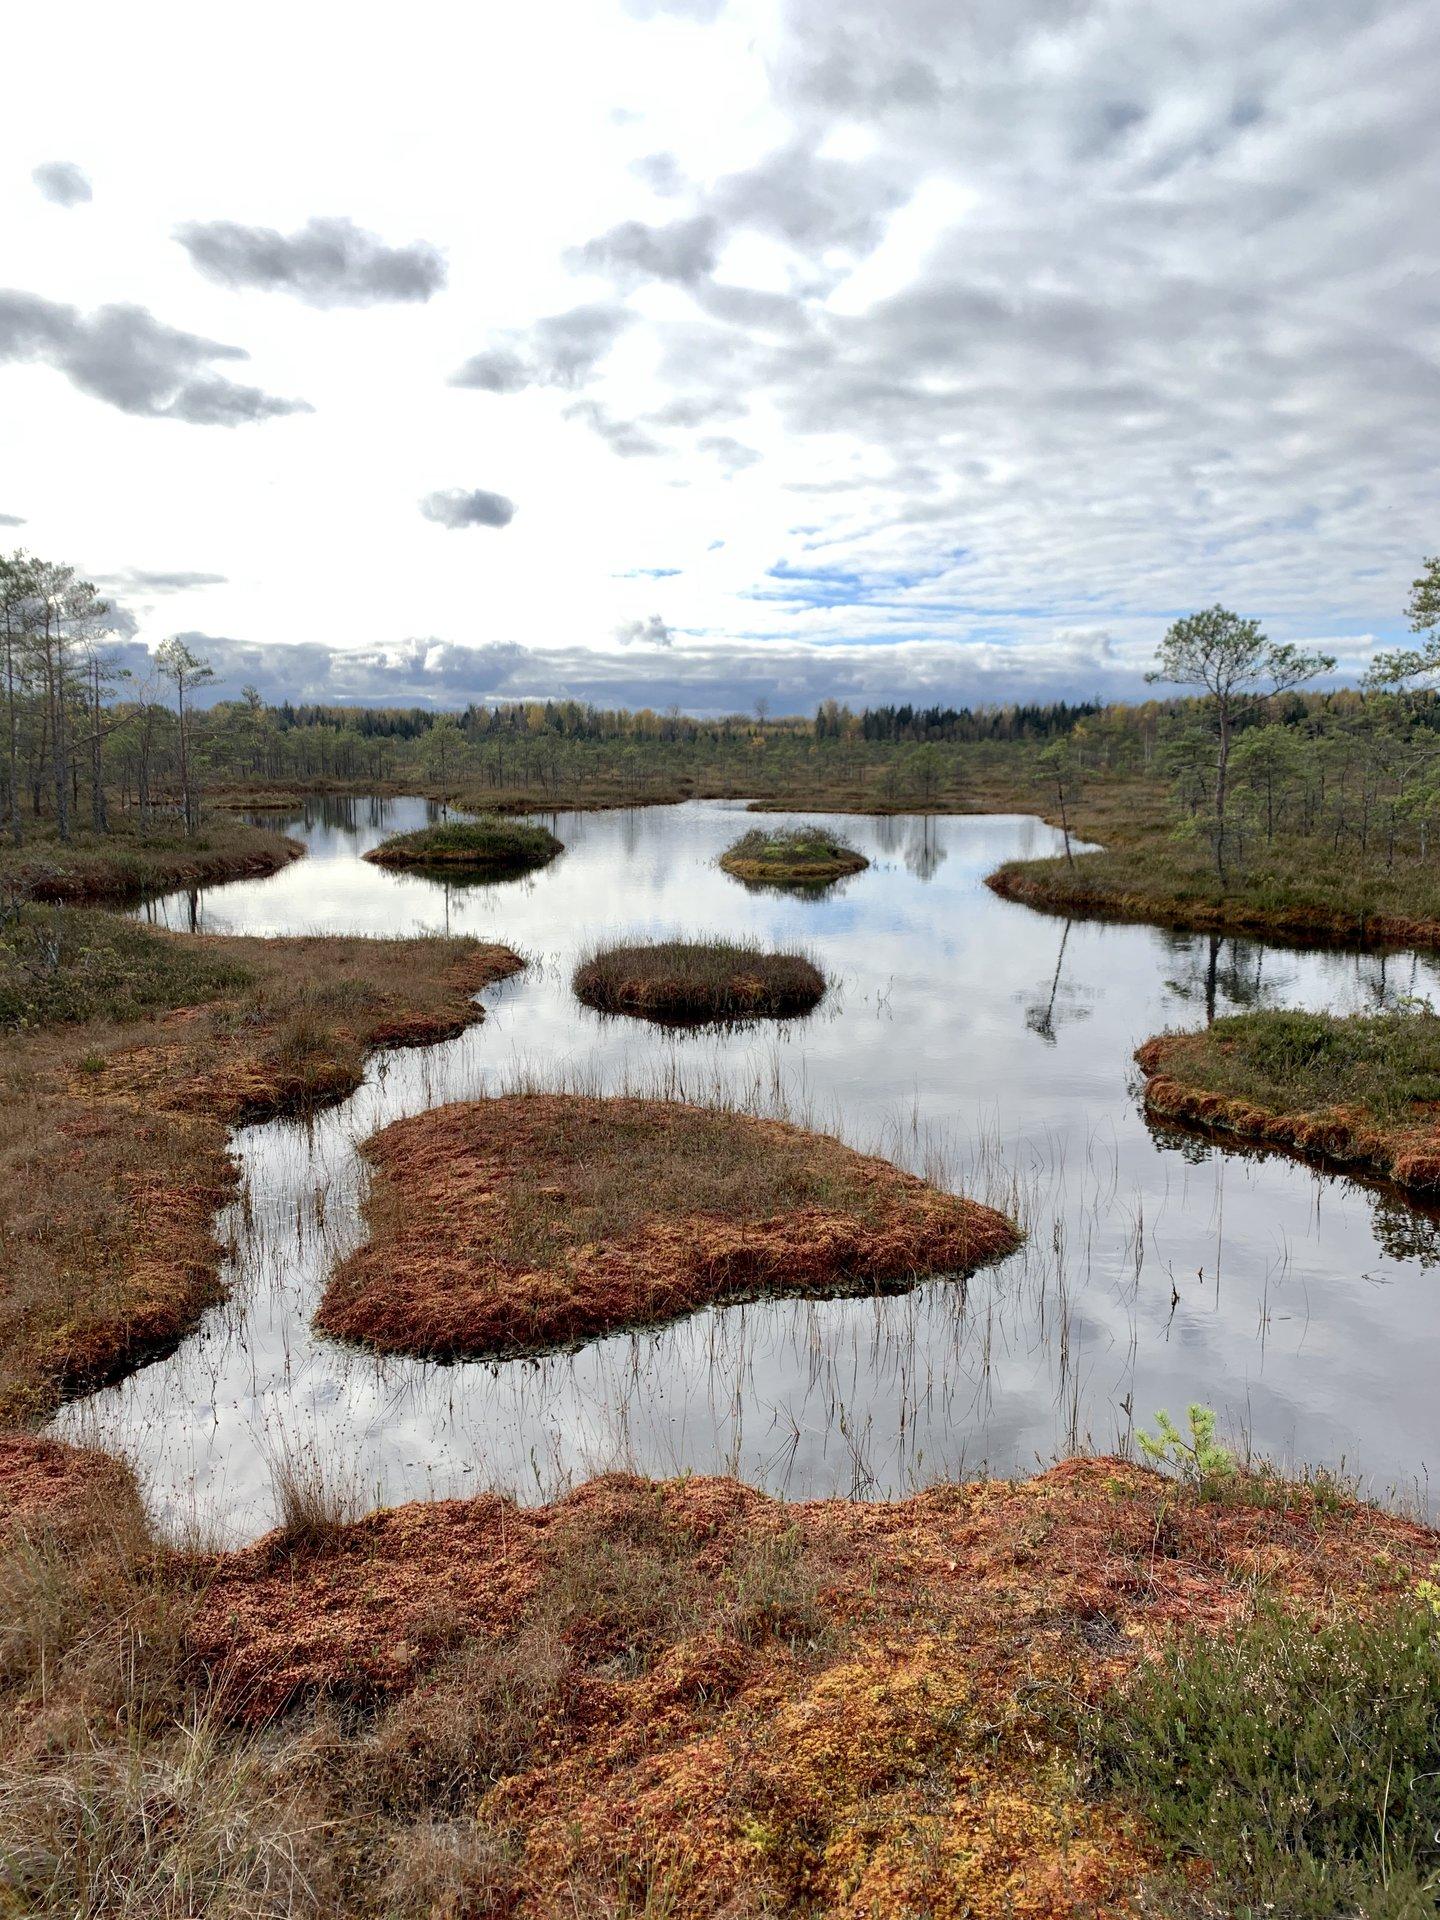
(534,1221)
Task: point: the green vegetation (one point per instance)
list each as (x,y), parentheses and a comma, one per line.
(1361,1089)
(691,980)
(489,845)
(66,964)
(1195,1456)
(809,856)
(1387,1065)
(1301,1762)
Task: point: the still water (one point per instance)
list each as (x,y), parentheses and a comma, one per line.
(963,1035)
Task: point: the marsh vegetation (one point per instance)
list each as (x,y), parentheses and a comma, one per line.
(1363,1088)
(808,856)
(688,981)
(485,846)
(533,1221)
(130,1054)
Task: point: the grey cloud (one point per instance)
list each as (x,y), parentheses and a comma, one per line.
(810,201)
(621,436)
(684,251)
(644,633)
(560,350)
(327,263)
(732,454)
(703,11)
(139,580)
(693,411)
(476,508)
(1169,345)
(11,520)
(496,370)
(661,172)
(62,182)
(124,356)
(700,676)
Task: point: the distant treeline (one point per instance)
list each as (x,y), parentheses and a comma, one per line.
(577,720)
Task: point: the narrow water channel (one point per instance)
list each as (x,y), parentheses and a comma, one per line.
(962,1032)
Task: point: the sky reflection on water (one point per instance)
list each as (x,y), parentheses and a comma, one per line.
(961,1031)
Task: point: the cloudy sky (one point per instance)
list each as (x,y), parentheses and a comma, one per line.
(707,351)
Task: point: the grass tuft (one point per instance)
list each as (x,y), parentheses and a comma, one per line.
(694,980)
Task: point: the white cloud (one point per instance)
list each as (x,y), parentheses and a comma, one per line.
(959,328)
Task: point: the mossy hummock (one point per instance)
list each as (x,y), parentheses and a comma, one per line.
(536,1221)
(490,845)
(791,857)
(689,981)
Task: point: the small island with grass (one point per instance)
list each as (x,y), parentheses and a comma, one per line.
(791,857)
(690,981)
(492,844)
(532,1222)
(1359,1090)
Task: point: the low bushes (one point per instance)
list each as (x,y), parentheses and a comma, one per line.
(1300,1762)
(690,980)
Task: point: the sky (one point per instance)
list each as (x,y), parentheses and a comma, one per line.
(720,352)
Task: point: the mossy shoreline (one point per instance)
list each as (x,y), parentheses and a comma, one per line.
(124,866)
(122,1090)
(1356,1092)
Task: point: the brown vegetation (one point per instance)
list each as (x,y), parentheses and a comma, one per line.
(1293,899)
(529,1222)
(693,980)
(129,861)
(113,1133)
(665,1699)
(1362,1091)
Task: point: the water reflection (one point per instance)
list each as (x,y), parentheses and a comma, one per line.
(1158,1269)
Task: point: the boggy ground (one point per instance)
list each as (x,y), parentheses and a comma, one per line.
(533,1221)
(675,1699)
(1359,1090)
(131,860)
(130,1054)
(695,980)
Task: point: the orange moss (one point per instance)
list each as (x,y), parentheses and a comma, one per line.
(534,1221)
(1174,1065)
(889,1757)
(128,1135)
(44,1483)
